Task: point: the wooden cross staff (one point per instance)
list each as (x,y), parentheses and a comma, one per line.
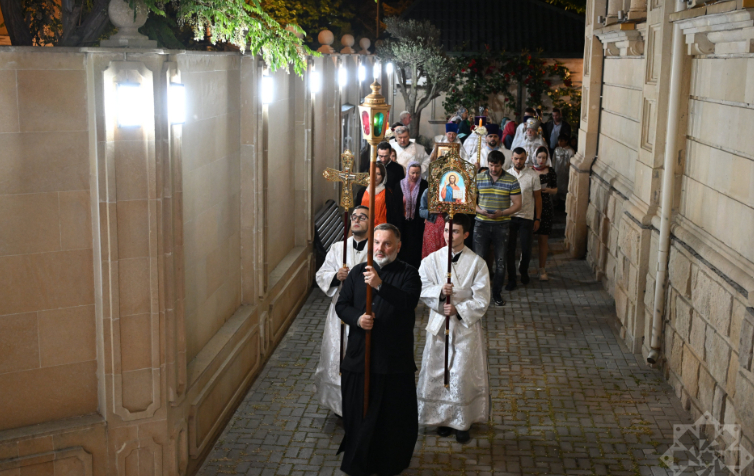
(348,179)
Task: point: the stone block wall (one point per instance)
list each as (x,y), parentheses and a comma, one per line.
(147,272)
(708,309)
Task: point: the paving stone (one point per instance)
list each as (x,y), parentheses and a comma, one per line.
(567,396)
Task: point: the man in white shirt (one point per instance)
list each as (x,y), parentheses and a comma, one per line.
(408,151)
(525,221)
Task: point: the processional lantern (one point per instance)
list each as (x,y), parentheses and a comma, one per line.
(374,117)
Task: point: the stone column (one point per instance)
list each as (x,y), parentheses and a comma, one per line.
(578,186)
(638,10)
(612,11)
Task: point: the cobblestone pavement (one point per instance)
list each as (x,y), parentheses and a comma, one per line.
(568,398)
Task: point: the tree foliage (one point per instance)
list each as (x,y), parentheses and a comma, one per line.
(424,71)
(524,80)
(242,23)
(313,16)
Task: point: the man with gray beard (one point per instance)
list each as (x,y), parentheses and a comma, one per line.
(383,441)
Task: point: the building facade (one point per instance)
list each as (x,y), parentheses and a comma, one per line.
(661,198)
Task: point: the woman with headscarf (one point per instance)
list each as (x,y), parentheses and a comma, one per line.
(412,232)
(549,180)
(387,203)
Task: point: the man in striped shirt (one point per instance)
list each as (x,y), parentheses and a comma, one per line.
(499,198)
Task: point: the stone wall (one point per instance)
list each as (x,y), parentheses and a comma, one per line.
(616,188)
(147,272)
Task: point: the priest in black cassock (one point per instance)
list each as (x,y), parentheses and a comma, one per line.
(382,442)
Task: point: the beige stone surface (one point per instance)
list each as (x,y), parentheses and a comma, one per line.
(30,223)
(679,272)
(46,281)
(698,335)
(46,394)
(44,162)
(75,220)
(712,301)
(19,342)
(8,102)
(52,100)
(690,372)
(67,336)
(718,355)
(683,316)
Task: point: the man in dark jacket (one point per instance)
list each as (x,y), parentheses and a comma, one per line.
(553,128)
(395,172)
(383,441)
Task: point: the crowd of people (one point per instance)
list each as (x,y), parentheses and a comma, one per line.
(410,250)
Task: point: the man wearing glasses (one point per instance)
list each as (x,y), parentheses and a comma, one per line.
(329,279)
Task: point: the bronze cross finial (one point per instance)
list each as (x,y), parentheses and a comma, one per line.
(347,177)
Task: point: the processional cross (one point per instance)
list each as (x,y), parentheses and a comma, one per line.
(348,179)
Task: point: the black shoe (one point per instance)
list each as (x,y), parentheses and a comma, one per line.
(462,436)
(444,431)
(524,278)
(499,301)
(510,286)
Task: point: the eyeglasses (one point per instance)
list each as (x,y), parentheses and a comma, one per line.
(359,217)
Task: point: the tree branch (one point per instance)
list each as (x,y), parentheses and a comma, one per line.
(95,23)
(13,16)
(70,14)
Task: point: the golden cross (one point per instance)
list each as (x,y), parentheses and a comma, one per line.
(347,177)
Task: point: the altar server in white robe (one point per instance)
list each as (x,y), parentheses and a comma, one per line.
(467,399)
(407,151)
(521,129)
(489,143)
(329,278)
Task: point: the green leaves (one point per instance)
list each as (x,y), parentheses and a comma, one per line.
(478,78)
(243,24)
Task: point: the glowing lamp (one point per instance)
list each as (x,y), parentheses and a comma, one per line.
(373,113)
(315,82)
(342,77)
(376,70)
(268,89)
(177,103)
(362,73)
(130,105)
(389,68)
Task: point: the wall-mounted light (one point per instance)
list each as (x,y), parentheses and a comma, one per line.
(268,89)
(376,70)
(315,81)
(389,68)
(362,73)
(342,77)
(130,105)
(176,103)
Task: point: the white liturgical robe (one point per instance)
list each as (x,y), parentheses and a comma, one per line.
(471,145)
(467,399)
(443,139)
(327,376)
(413,152)
(531,146)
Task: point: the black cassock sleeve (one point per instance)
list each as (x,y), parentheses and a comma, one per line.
(406,296)
(345,308)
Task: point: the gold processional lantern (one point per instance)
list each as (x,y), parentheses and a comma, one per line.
(374,116)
